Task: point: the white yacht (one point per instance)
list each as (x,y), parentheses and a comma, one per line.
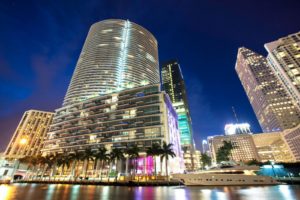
(237,175)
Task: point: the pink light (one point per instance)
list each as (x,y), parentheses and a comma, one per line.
(149,165)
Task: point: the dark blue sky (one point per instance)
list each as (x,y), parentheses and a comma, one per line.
(40,42)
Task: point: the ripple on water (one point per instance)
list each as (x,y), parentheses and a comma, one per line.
(79,192)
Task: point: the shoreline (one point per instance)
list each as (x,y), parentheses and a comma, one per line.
(123,183)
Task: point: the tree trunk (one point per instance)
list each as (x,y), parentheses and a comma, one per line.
(43,172)
(53,170)
(126,168)
(110,167)
(167,169)
(102,165)
(73,169)
(116,172)
(86,167)
(97,168)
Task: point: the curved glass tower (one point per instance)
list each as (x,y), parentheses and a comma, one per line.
(117,54)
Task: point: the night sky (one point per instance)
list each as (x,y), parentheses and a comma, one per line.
(40,42)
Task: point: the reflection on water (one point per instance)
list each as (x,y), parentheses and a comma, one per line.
(79,192)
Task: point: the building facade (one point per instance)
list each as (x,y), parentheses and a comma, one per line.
(173,84)
(292,138)
(272,147)
(244,147)
(284,58)
(117,55)
(30,134)
(275,109)
(140,116)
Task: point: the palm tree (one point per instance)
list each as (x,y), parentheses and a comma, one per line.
(31,162)
(102,156)
(225,152)
(205,160)
(154,150)
(87,156)
(63,161)
(167,151)
(43,162)
(133,154)
(116,155)
(75,157)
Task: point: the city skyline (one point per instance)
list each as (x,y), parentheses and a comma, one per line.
(38,78)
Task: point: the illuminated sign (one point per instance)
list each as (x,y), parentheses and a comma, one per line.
(232,129)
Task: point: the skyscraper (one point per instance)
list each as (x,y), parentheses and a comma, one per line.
(117,54)
(114,99)
(284,58)
(173,84)
(30,134)
(275,109)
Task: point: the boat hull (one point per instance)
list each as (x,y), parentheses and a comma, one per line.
(224,179)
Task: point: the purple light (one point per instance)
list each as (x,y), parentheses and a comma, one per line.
(145,165)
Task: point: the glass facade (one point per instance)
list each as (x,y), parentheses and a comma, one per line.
(173,84)
(272,104)
(284,58)
(117,55)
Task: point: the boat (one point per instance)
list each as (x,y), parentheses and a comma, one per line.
(229,175)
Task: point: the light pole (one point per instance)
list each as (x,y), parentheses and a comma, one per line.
(272,164)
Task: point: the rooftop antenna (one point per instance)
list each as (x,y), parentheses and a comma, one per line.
(234,113)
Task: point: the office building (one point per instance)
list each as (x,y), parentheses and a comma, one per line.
(139,116)
(272,147)
(244,148)
(117,55)
(275,109)
(173,84)
(30,134)
(284,58)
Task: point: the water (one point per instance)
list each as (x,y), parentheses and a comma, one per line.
(85,192)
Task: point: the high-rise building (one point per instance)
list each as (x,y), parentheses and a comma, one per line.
(139,116)
(205,148)
(30,134)
(114,98)
(292,138)
(117,55)
(173,84)
(244,148)
(272,147)
(275,109)
(284,58)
